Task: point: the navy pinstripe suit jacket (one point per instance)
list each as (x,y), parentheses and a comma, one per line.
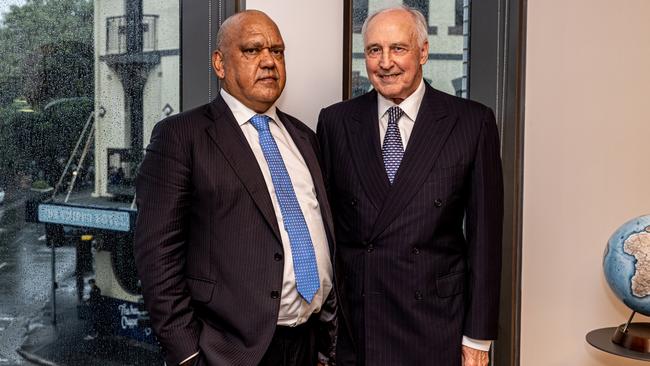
(418,262)
(207,237)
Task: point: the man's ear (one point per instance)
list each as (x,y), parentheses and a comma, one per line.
(217,64)
(424,53)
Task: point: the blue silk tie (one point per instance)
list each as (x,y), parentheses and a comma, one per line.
(302,249)
(392,150)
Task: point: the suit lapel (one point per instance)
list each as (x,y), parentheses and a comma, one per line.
(301,139)
(227,135)
(363,139)
(432,127)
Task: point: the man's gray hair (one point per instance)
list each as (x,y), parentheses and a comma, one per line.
(421,26)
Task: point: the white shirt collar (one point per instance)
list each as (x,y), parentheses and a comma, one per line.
(410,105)
(242,113)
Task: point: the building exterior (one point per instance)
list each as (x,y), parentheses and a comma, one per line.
(137,83)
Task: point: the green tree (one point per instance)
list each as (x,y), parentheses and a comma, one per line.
(58,70)
(46,54)
(26,30)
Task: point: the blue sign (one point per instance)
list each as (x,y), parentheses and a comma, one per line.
(117,220)
(124,319)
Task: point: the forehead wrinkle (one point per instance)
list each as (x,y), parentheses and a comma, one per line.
(396,18)
(261,36)
(258,43)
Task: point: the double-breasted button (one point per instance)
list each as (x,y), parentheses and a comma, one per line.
(353,202)
(437,203)
(277,257)
(418,295)
(415,250)
(370,248)
(275,294)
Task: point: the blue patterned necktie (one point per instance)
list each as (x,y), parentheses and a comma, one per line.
(392,150)
(302,249)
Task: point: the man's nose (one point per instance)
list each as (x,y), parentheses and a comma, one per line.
(385,60)
(266,59)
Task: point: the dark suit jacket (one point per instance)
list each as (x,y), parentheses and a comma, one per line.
(207,243)
(411,280)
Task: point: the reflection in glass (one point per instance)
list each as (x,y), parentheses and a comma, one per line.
(83,83)
(447,67)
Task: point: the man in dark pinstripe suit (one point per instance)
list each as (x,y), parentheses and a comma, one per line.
(234,229)
(415,181)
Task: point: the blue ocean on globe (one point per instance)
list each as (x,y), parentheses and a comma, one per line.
(626,263)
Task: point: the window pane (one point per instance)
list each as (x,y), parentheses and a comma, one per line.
(448,22)
(83,83)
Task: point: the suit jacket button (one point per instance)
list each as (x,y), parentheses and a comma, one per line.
(370,248)
(277,257)
(353,202)
(275,294)
(415,250)
(418,295)
(437,203)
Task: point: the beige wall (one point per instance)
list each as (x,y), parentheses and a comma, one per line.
(313,35)
(587,168)
(586,151)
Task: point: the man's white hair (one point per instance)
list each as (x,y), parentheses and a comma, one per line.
(421,26)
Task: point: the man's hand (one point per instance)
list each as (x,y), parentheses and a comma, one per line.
(474,357)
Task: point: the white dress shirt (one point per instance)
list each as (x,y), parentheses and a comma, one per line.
(411,107)
(294,310)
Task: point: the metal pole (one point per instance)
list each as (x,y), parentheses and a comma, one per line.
(628,322)
(54,286)
(81,160)
(74,152)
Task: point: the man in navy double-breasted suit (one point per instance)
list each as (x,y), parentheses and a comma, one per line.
(415,181)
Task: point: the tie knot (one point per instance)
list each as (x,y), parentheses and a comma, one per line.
(394,113)
(260,122)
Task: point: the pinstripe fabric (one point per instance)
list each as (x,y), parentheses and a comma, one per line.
(207,237)
(411,282)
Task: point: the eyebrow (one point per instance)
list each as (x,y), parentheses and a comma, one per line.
(258,44)
(396,44)
(253,44)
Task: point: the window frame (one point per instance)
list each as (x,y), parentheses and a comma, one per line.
(496,79)
(199,25)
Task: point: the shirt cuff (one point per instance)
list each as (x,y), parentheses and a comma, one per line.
(479,344)
(323,359)
(189,358)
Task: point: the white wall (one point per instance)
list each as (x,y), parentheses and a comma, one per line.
(313,35)
(587,147)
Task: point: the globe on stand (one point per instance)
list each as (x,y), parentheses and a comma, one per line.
(626,264)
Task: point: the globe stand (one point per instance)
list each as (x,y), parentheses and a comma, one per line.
(633,336)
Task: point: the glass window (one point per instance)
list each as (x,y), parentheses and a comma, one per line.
(83,83)
(447,67)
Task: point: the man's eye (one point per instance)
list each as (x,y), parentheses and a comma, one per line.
(399,49)
(251,51)
(277,51)
(374,51)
